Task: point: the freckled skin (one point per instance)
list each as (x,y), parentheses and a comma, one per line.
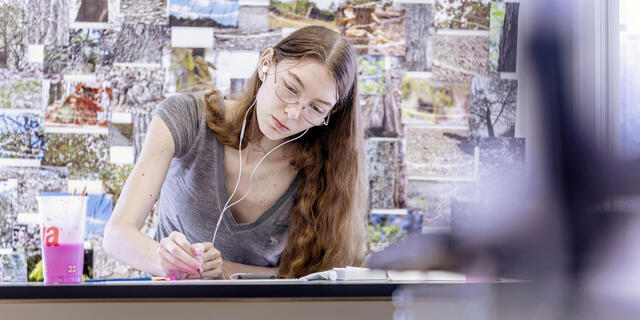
(150,196)
(143,174)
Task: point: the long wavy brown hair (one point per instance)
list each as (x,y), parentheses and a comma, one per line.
(327,225)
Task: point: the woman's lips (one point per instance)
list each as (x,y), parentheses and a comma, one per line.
(279,125)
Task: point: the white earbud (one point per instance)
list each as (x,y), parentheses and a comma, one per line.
(265,68)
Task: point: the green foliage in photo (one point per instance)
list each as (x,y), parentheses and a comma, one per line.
(21,94)
(426,101)
(371,75)
(462,14)
(113,178)
(85,155)
(498,11)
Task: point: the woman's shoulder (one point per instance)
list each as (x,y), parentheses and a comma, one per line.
(213,101)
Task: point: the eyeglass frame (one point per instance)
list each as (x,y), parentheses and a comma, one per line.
(325,120)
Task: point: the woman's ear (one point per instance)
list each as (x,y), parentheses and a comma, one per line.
(265,63)
(264,70)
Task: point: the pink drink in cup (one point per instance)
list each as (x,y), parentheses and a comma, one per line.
(62,238)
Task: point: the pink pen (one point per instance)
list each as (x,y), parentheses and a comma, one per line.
(199,252)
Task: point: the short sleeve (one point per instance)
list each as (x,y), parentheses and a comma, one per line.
(182,116)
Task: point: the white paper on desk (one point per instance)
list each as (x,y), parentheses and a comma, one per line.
(434,275)
(356,273)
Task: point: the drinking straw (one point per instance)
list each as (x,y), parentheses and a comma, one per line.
(74,191)
(83,190)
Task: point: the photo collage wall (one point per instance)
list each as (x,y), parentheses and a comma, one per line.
(80,78)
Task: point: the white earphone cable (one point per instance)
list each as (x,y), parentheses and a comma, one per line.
(226,205)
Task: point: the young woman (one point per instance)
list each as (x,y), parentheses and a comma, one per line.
(305,206)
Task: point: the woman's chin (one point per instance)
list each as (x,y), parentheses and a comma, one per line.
(269,132)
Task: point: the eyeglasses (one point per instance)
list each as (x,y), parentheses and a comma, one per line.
(311,113)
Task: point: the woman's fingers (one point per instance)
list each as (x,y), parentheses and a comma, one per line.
(213,264)
(170,246)
(182,242)
(212,269)
(173,263)
(211,253)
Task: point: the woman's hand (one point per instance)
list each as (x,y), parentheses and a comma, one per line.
(211,261)
(177,256)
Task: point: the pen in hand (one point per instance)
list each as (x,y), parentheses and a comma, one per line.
(199,250)
(199,255)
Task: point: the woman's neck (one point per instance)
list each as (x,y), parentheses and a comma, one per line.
(256,150)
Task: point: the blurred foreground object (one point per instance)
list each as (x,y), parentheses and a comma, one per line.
(557,228)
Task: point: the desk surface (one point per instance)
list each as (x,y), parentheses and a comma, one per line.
(226,289)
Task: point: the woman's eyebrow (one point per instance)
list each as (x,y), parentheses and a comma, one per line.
(302,85)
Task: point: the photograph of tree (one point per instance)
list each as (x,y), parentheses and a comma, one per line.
(113,177)
(419,25)
(504,36)
(301,13)
(13,51)
(89,10)
(493,107)
(203,13)
(439,152)
(460,58)
(434,200)
(253,32)
(377,31)
(371,74)
(85,155)
(381,116)
(8,211)
(85,105)
(134,89)
(48,22)
(151,12)
(500,158)
(381,112)
(87,49)
(26,236)
(21,136)
(21,94)
(139,43)
(33,181)
(462,14)
(386,229)
(425,101)
(188,70)
(387,179)
(140,126)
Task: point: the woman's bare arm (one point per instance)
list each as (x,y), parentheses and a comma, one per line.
(230,268)
(122,236)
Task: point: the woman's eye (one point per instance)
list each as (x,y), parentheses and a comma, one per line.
(289,88)
(316,109)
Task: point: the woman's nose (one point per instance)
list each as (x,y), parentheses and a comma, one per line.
(293,110)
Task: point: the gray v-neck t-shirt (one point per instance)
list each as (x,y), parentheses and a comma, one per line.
(194,192)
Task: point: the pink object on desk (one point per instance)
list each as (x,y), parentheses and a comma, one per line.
(64,263)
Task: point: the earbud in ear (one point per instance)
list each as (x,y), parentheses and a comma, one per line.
(265,68)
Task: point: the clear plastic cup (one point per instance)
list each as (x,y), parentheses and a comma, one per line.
(62,237)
